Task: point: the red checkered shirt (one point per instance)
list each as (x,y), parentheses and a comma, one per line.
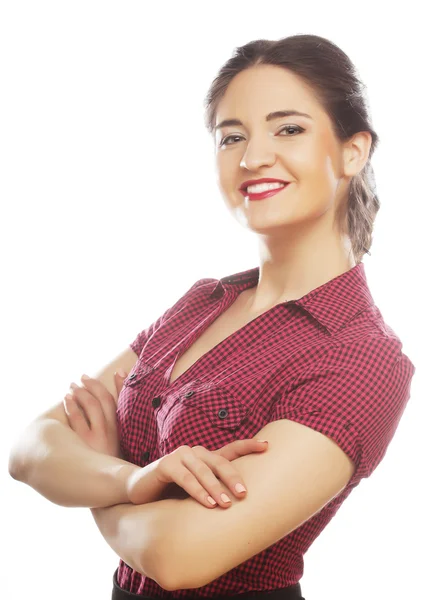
(327,360)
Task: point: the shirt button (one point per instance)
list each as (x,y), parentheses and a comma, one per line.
(223,413)
(188,394)
(156,402)
(132,376)
(146,455)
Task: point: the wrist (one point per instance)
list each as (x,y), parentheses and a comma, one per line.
(122,476)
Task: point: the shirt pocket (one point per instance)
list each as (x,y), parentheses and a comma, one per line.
(207,416)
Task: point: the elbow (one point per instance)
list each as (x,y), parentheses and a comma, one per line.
(162,555)
(168,581)
(16,468)
(156,564)
(166,568)
(14,473)
(13,470)
(168,586)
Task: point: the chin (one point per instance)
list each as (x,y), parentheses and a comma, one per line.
(264,223)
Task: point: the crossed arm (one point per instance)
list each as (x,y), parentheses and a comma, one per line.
(181,544)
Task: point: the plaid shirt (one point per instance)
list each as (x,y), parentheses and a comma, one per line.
(327,360)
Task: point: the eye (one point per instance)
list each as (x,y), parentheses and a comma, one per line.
(224,141)
(295,127)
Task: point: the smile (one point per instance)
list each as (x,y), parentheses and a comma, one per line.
(264,194)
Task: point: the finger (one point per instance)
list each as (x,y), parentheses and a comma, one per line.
(97,388)
(183,477)
(99,391)
(91,406)
(119,381)
(76,419)
(222,469)
(240,448)
(204,477)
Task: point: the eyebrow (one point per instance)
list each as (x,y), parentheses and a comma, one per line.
(273,115)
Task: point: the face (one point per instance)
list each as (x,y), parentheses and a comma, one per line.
(301,150)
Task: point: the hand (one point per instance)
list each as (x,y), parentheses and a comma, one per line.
(194,470)
(91,412)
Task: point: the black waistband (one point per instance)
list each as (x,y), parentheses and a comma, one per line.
(293,592)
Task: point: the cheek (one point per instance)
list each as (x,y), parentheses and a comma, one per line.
(226,180)
(311,153)
(316,169)
(224,169)
(325,158)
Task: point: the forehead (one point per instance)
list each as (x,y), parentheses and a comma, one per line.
(259,90)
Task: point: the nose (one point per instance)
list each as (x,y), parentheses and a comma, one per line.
(258,154)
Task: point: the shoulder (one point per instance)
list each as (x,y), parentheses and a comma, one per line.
(369,337)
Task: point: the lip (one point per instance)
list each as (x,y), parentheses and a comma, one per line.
(246,184)
(263,195)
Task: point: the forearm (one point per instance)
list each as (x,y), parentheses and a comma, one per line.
(136,534)
(119,525)
(156,538)
(113,524)
(55,462)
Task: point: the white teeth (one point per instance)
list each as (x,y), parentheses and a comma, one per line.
(263,187)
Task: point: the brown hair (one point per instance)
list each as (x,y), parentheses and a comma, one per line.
(335,83)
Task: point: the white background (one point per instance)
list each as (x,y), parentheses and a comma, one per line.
(111,211)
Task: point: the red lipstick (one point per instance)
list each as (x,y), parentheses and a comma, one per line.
(266,193)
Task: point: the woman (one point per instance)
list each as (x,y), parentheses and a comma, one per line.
(300,337)
(294,350)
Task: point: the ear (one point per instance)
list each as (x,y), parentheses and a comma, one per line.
(356,153)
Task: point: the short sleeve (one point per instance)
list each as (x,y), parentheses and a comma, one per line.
(138,344)
(355,395)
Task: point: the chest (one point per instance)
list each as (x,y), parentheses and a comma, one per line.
(230,321)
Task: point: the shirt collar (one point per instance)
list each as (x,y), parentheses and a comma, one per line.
(332,304)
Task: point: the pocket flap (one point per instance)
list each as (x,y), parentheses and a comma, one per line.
(139,370)
(222,408)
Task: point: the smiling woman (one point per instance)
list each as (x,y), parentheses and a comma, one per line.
(294,351)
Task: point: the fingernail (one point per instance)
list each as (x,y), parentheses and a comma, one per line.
(240,488)
(225,498)
(121,373)
(262,441)
(84,377)
(211,500)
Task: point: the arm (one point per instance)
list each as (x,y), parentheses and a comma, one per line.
(299,474)
(131,530)
(132,533)
(56,463)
